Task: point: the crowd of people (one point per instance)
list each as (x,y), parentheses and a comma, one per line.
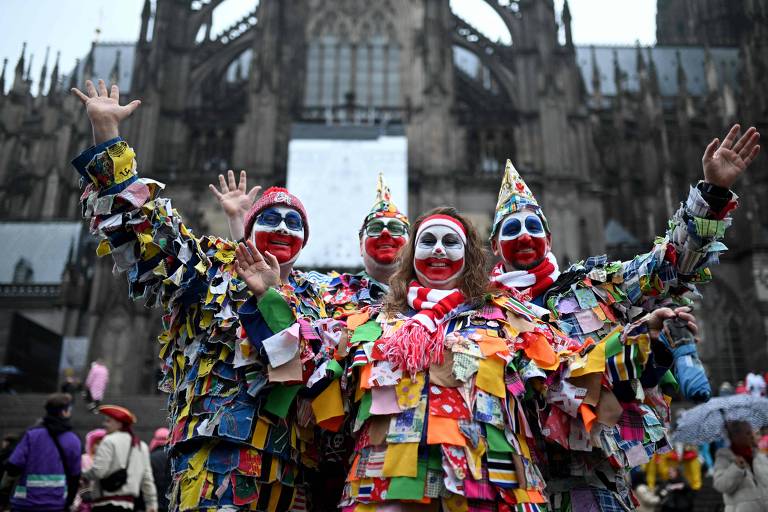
(46,469)
(423,382)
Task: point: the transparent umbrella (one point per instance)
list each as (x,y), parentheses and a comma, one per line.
(705,423)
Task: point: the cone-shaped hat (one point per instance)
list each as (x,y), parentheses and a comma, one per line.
(514,196)
(384,207)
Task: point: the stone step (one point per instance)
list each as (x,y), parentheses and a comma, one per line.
(19,412)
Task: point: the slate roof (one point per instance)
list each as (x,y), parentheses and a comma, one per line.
(665,57)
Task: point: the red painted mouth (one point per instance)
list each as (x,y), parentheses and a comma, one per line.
(384,248)
(439,269)
(283,247)
(524,252)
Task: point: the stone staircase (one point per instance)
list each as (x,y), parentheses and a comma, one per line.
(19,412)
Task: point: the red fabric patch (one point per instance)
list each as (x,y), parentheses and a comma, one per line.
(447,402)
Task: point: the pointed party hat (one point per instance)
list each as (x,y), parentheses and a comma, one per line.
(384,207)
(515,196)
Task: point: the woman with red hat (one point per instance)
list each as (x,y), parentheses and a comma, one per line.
(120,468)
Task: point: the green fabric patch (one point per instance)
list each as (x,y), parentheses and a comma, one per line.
(497,442)
(435,460)
(335,368)
(280,399)
(613,345)
(364,412)
(406,487)
(668,379)
(276,312)
(369,331)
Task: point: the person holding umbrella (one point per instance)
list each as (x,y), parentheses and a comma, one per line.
(741,471)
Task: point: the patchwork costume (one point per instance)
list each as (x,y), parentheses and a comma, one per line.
(234,446)
(448,429)
(606,412)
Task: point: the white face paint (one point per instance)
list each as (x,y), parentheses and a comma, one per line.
(520,223)
(282,219)
(439,256)
(279,230)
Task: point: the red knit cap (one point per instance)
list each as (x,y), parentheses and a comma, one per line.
(272,197)
(118,413)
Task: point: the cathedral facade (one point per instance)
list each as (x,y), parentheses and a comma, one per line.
(609,138)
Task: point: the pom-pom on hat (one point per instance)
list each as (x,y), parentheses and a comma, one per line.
(276,196)
(515,196)
(118,413)
(384,207)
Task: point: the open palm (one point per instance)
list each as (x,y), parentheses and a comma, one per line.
(259,272)
(104,106)
(724,163)
(234,199)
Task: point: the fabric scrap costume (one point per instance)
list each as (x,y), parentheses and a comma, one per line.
(234,445)
(604,412)
(443,427)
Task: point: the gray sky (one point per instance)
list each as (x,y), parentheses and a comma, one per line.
(69,26)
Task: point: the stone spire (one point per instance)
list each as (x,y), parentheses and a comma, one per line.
(53,88)
(641,69)
(18,77)
(618,76)
(653,77)
(710,72)
(597,93)
(566,19)
(146,13)
(74,77)
(2,78)
(88,66)
(28,76)
(682,77)
(114,75)
(43,72)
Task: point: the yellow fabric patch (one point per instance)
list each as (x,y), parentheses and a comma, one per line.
(595,362)
(121,155)
(490,376)
(455,503)
(259,437)
(409,392)
(400,459)
(328,404)
(103,248)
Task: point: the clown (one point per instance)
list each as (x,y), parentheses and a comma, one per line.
(277,226)
(383,233)
(595,302)
(217,377)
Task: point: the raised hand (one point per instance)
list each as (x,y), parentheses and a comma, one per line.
(232,197)
(104,109)
(724,163)
(235,201)
(260,272)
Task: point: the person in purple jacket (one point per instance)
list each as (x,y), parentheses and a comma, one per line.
(43,471)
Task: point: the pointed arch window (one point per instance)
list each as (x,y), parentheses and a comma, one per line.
(362,70)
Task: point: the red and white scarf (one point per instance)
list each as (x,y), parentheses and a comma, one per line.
(419,342)
(527,284)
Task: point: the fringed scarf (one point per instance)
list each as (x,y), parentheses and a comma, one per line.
(419,342)
(526,285)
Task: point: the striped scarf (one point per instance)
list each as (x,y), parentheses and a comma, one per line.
(419,342)
(526,285)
